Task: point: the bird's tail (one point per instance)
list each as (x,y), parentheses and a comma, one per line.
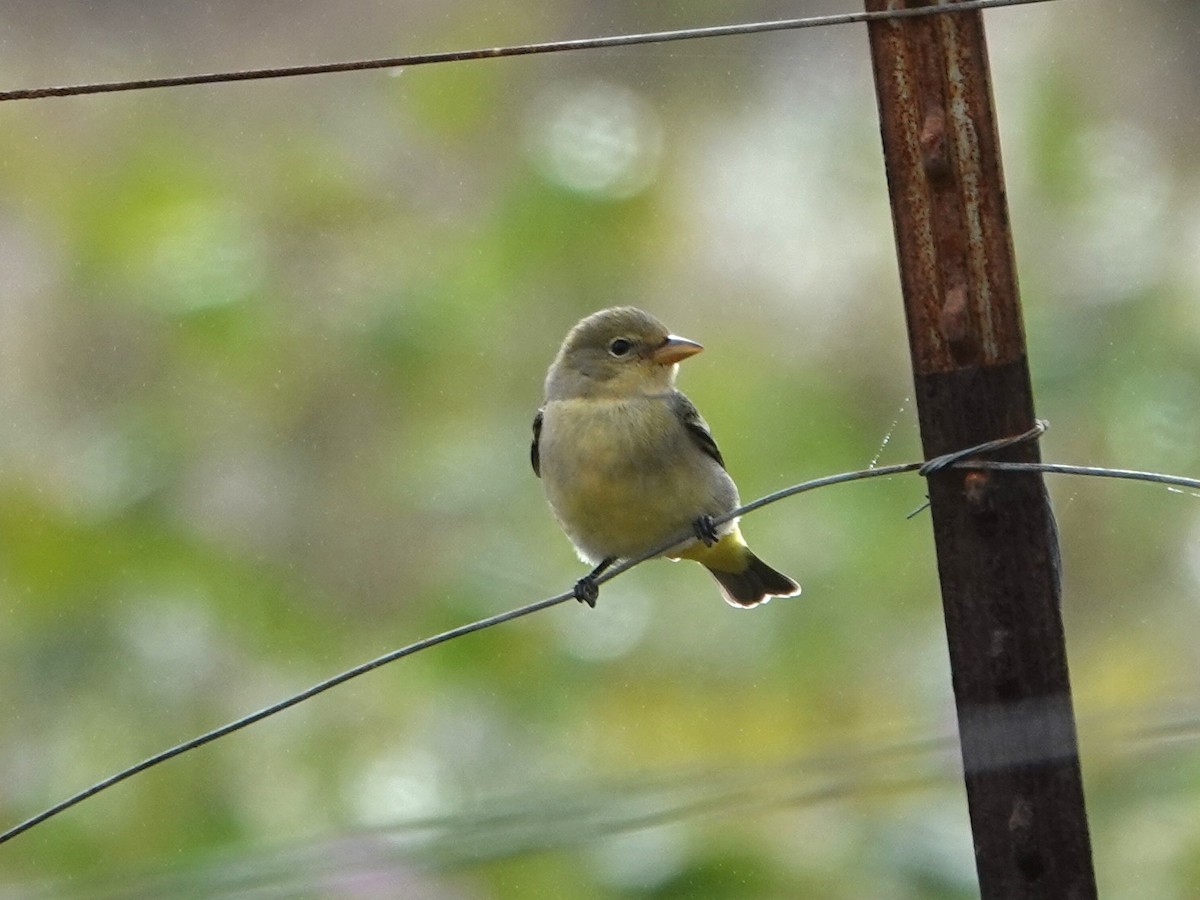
(754,584)
(744,578)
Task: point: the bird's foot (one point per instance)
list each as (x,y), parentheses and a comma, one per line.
(586,591)
(705,530)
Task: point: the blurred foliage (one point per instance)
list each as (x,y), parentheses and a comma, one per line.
(268,358)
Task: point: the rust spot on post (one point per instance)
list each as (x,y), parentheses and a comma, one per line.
(933,145)
(977,491)
(956,327)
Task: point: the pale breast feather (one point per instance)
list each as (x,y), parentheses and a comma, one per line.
(629,476)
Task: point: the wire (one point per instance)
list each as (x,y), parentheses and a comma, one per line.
(1095,471)
(952,460)
(244,721)
(948,459)
(420,59)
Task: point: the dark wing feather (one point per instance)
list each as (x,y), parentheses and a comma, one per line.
(534,456)
(696,426)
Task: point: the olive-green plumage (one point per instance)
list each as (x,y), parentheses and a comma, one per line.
(628,463)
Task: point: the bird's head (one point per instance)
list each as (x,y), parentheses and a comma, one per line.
(619,352)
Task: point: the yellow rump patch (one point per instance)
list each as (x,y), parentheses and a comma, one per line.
(729,554)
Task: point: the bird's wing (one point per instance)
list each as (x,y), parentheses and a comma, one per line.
(534,456)
(696,427)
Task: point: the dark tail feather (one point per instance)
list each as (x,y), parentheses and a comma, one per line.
(755,584)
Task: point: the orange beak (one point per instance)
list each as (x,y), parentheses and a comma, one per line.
(675,349)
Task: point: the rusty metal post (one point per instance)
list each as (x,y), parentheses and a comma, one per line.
(996,543)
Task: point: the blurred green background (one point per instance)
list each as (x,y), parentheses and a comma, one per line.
(269,354)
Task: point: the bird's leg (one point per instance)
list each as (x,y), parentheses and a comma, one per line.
(706,530)
(586,590)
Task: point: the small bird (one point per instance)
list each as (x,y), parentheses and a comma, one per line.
(628,463)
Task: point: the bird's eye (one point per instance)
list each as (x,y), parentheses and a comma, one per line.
(619,347)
